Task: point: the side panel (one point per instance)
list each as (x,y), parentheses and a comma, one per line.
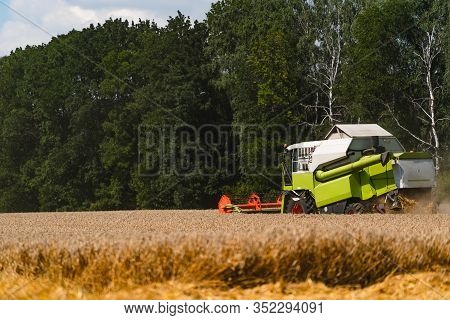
(382,178)
(303,181)
(337,190)
(367,190)
(372,181)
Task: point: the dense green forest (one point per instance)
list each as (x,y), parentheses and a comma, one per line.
(72,111)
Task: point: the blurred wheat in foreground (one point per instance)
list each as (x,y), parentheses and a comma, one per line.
(218,257)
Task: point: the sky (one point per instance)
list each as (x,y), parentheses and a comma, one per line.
(33,22)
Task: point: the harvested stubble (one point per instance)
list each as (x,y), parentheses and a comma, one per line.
(115,251)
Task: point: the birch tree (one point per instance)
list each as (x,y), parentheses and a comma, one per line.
(331,33)
(430,50)
(429,61)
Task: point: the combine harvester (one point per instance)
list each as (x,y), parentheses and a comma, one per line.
(356,169)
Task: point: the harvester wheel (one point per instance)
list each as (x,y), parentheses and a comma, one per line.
(303,205)
(354,208)
(296,207)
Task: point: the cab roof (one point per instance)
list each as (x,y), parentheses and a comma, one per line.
(341,131)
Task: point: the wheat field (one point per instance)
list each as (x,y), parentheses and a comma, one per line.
(203,255)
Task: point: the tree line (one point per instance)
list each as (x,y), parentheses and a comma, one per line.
(71,110)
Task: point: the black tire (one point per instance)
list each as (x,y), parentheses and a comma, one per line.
(306,205)
(354,208)
(310,204)
(296,207)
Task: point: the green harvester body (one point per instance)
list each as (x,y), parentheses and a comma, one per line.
(362,171)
